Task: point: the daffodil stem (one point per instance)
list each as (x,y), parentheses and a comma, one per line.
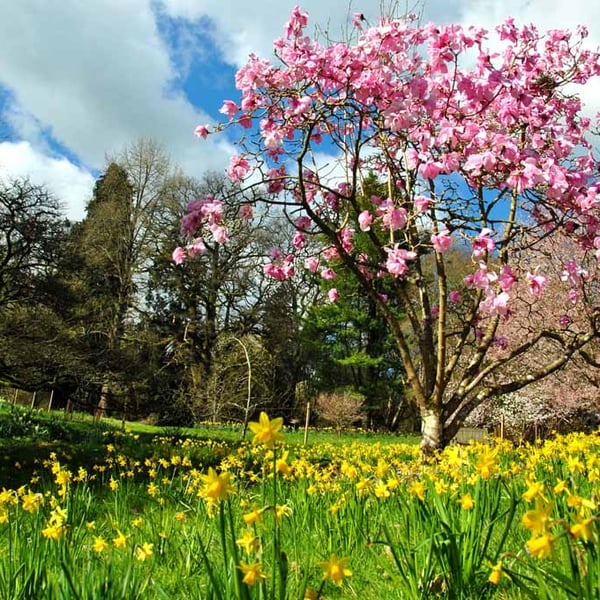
(223,536)
(242,590)
(275,527)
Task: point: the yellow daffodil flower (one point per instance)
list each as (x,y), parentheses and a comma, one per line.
(267,431)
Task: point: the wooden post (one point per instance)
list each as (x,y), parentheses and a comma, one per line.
(15,396)
(306,423)
(502,426)
(50,401)
(33,400)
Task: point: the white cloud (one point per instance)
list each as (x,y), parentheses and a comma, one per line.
(71,185)
(243,27)
(544,14)
(97,76)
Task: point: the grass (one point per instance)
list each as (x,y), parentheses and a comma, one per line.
(28,435)
(107,513)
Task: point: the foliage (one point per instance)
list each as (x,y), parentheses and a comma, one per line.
(31,233)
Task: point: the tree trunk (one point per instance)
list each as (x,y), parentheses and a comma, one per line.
(432,431)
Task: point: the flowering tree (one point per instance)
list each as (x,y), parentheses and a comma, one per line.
(480,141)
(566,399)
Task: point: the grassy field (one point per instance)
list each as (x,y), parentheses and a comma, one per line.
(97,511)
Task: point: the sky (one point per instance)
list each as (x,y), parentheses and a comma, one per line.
(82,79)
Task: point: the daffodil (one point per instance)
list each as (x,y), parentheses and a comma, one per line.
(535,489)
(496,574)
(253,516)
(216,486)
(540,546)
(466,502)
(417,488)
(143,551)
(281,465)
(335,569)
(121,540)
(582,528)
(249,542)
(267,431)
(99,545)
(31,501)
(252,572)
(538,520)
(54,531)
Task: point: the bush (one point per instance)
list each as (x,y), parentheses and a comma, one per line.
(341,408)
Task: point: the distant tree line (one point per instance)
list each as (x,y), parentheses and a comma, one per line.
(98,311)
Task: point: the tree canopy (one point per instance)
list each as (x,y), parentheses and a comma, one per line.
(480,141)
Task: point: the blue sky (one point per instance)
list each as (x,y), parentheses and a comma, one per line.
(81,79)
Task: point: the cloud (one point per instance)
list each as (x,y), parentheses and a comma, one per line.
(241,28)
(70,184)
(544,14)
(96,76)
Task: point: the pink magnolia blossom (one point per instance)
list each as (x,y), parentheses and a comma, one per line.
(365,218)
(330,253)
(565,321)
(201,131)
(328,274)
(303,223)
(246,212)
(298,21)
(333,295)
(276,253)
(298,240)
(506,279)
(238,168)
(346,237)
(481,279)
(455,297)
(396,262)
(312,264)
(219,233)
(431,169)
(573,273)
(197,247)
(483,243)
(357,20)
(441,241)
(501,341)
(276,180)
(495,304)
(537,283)
(281,268)
(211,210)
(392,217)
(422,203)
(229,108)
(178,255)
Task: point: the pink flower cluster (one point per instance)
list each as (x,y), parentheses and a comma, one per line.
(281,266)
(401,101)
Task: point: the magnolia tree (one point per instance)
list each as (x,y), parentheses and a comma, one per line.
(479,140)
(566,399)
